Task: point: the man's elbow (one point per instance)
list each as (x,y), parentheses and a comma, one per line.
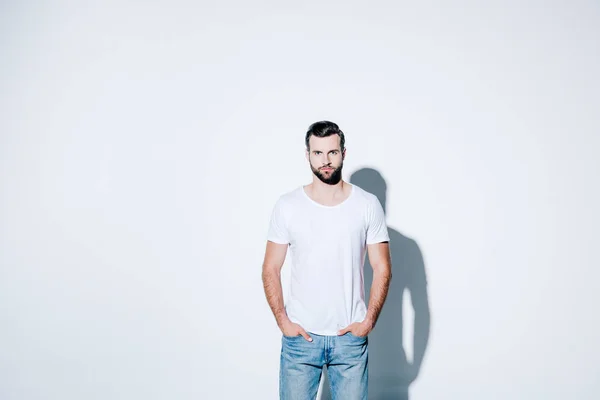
(383,269)
(270,270)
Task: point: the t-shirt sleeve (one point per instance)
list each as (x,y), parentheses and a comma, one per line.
(278,232)
(377,230)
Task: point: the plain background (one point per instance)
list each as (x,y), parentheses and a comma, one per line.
(143,145)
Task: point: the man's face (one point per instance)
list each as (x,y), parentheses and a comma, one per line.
(326,158)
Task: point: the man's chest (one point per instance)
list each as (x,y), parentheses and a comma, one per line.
(327,228)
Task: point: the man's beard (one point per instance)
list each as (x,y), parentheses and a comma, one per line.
(334,177)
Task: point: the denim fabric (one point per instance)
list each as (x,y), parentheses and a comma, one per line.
(301,365)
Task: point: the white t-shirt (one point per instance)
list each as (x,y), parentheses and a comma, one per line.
(328,249)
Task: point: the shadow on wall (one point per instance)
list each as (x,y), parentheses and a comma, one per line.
(390,371)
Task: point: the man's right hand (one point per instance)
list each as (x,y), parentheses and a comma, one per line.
(291,329)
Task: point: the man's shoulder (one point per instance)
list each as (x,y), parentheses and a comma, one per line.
(289,197)
(363,195)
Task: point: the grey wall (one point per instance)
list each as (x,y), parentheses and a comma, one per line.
(143,144)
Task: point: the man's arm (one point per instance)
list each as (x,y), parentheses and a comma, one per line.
(271,276)
(380,260)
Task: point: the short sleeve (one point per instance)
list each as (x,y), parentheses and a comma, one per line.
(278,232)
(377,230)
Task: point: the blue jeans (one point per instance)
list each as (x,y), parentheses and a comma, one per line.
(301,365)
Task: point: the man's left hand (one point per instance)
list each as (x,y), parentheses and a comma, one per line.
(357,329)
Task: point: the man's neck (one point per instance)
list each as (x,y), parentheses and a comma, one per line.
(326,192)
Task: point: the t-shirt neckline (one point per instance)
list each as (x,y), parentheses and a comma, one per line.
(323,205)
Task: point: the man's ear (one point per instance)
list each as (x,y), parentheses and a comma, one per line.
(344,154)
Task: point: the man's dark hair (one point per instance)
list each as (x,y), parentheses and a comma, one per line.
(324,129)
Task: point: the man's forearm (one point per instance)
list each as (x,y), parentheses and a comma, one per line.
(272,285)
(379,290)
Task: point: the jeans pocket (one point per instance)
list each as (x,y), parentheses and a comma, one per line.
(291,337)
(358,337)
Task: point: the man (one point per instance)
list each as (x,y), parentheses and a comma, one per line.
(329,226)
